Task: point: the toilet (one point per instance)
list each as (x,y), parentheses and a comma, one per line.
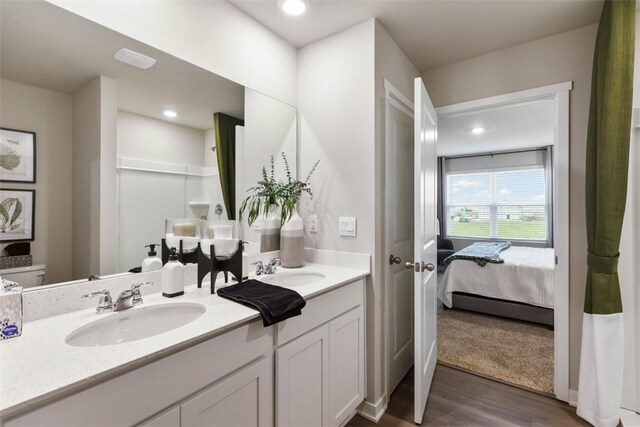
(27,277)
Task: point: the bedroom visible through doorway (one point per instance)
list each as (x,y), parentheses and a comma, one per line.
(500,201)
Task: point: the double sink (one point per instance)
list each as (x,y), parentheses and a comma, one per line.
(144,322)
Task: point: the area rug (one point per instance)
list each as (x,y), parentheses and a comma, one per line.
(508,350)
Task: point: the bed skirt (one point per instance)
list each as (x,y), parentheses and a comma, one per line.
(503,308)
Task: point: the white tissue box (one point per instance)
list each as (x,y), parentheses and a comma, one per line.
(10,312)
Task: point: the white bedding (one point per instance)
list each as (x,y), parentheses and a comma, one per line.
(526,276)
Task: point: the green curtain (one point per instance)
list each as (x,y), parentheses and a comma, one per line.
(225,130)
(608,153)
(607,167)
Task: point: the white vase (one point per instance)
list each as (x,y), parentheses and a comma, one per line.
(270,233)
(292,242)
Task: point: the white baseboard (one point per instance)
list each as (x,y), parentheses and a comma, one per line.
(573,398)
(629,418)
(373,411)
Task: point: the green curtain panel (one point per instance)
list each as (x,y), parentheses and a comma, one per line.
(607,167)
(225,130)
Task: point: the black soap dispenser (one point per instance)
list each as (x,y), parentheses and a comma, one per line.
(152,262)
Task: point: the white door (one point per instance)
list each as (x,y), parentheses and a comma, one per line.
(425,248)
(398,235)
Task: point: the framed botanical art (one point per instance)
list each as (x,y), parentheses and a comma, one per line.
(17,215)
(17,156)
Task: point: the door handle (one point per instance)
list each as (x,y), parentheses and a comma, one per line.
(419,267)
(394,259)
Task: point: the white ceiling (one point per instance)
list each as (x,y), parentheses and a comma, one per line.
(48,47)
(432,32)
(507,128)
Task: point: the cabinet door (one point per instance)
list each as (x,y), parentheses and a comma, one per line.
(244,399)
(302,381)
(346,364)
(170,418)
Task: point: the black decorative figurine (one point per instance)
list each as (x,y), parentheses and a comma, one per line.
(213,265)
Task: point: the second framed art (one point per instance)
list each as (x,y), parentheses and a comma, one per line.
(17,156)
(17,215)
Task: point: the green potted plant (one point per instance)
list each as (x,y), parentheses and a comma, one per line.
(264,200)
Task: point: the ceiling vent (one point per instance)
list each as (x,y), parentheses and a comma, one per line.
(134,58)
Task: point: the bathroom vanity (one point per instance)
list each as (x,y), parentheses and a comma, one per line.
(223,368)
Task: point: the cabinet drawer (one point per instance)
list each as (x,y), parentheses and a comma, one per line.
(320,310)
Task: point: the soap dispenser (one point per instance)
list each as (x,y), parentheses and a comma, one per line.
(173,276)
(152,262)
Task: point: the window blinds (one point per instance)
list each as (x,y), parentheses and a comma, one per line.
(499,196)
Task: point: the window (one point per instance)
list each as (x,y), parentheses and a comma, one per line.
(498,203)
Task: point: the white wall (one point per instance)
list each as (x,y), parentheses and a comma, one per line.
(629,270)
(94,178)
(336,108)
(555,59)
(48,114)
(341,122)
(214,35)
(141,137)
(336,122)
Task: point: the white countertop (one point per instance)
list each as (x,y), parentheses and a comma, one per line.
(40,366)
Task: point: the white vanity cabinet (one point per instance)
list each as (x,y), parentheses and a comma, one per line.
(305,371)
(320,366)
(233,363)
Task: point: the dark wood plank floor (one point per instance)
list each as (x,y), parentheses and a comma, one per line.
(459,398)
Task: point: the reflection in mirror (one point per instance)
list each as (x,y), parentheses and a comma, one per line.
(120,149)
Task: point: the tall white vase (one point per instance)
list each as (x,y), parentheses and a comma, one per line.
(270,233)
(292,242)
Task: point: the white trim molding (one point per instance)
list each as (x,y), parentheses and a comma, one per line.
(629,418)
(560,94)
(507,98)
(373,411)
(573,398)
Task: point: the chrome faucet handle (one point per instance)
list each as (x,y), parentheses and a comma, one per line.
(137,295)
(271,267)
(259,267)
(105,303)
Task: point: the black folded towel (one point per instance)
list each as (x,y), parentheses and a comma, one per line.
(273,302)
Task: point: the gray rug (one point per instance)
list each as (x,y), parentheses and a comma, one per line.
(508,350)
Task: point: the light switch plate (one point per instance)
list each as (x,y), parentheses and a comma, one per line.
(257,225)
(347,226)
(312,222)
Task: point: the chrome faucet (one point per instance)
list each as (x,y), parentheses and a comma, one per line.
(270,268)
(127,298)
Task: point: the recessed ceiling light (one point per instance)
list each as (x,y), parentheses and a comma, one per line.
(477,130)
(133,58)
(293,7)
(170,113)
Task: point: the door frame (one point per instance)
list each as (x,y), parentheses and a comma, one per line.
(394,97)
(560,94)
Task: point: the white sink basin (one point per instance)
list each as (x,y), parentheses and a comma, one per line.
(135,324)
(292,279)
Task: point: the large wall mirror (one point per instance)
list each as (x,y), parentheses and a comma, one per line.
(115,149)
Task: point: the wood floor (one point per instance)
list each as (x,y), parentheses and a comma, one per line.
(458,398)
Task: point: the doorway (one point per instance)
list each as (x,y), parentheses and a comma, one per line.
(398,284)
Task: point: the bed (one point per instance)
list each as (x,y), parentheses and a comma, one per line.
(520,288)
